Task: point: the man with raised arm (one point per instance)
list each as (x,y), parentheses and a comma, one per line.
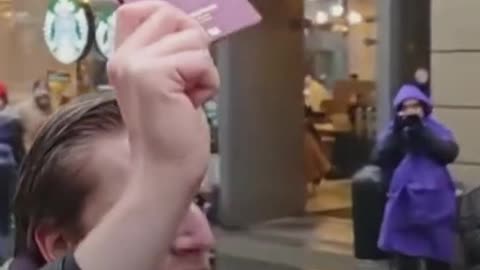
(109,181)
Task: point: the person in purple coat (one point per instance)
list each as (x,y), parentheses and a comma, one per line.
(420,213)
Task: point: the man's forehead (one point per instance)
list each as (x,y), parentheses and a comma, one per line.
(110,155)
(108,163)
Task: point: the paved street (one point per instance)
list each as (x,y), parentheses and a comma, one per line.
(314,242)
(292,244)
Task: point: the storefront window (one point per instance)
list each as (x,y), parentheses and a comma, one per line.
(340,98)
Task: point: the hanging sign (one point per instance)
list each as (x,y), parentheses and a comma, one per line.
(67,29)
(105,32)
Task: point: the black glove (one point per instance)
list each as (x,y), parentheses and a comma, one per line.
(411,132)
(398,124)
(412,126)
(443,150)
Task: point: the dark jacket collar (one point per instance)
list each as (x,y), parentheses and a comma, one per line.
(23,263)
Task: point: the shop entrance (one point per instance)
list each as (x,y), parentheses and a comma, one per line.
(358,53)
(340,99)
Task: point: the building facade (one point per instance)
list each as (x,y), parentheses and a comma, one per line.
(455,54)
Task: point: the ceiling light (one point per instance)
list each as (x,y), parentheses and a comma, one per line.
(321,17)
(354,17)
(337,10)
(7,14)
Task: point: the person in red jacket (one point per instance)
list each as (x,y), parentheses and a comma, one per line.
(3,96)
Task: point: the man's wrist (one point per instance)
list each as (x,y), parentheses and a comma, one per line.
(149,188)
(150,174)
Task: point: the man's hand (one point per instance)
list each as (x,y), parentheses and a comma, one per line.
(163,73)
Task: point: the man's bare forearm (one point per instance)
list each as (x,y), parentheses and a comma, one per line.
(162,71)
(137,232)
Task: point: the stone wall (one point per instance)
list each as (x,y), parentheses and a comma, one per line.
(455,66)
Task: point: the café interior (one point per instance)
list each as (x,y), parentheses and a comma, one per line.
(340,99)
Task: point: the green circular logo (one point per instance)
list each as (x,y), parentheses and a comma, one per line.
(67,30)
(105,32)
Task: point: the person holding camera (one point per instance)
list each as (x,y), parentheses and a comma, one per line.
(420,214)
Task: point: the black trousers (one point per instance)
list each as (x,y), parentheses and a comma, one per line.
(403,262)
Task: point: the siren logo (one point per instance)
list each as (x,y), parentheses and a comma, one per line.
(66,30)
(105,33)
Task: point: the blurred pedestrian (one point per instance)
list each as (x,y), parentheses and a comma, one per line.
(11,130)
(35,111)
(3,96)
(316,163)
(315,93)
(11,154)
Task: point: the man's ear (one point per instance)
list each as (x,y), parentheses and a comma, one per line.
(52,242)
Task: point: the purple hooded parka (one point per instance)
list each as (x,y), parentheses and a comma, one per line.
(420,213)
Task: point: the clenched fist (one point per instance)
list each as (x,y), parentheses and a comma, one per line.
(163,72)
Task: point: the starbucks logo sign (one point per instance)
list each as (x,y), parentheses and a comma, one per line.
(67,29)
(105,32)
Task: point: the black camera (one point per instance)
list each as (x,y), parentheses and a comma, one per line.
(411,120)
